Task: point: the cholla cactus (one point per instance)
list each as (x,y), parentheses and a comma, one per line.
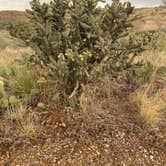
(81,32)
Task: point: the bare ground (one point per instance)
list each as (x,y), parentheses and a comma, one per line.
(105,136)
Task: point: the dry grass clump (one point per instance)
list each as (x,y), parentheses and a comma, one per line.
(14,53)
(151,104)
(157,58)
(8,55)
(151,108)
(15,113)
(156,53)
(27,127)
(22,120)
(99,96)
(11,48)
(150,100)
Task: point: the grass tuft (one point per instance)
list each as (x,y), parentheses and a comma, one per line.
(15,113)
(27,127)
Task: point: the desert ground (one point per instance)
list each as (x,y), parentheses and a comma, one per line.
(122,122)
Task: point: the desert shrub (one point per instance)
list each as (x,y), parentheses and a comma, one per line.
(149,38)
(74,39)
(23,30)
(4,25)
(153,58)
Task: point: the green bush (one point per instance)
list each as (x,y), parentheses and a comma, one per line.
(74,38)
(149,38)
(23,30)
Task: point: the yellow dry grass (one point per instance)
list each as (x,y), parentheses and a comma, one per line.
(157,56)
(25,121)
(99,96)
(27,127)
(8,55)
(11,49)
(15,113)
(151,108)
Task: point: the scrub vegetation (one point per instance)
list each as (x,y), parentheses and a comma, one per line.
(82,85)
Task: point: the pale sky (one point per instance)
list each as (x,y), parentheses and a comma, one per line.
(24,4)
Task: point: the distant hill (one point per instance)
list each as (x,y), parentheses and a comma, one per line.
(12,17)
(151,18)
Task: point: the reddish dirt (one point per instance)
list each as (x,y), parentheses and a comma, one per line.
(104,137)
